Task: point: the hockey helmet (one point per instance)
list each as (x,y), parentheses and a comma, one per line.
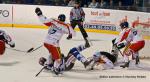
(124,25)
(62,17)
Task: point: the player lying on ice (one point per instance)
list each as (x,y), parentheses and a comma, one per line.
(104,58)
(133,42)
(5,39)
(101,57)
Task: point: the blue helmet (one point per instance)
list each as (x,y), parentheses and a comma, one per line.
(62,17)
(124,25)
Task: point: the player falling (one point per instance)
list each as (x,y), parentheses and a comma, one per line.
(106,59)
(56,30)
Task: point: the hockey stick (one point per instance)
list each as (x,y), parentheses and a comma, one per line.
(34,49)
(40,71)
(16,50)
(119,50)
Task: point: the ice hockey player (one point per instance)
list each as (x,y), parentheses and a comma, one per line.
(68,61)
(101,57)
(133,43)
(56,30)
(5,39)
(74,54)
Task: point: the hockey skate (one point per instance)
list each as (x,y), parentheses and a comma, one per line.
(86,63)
(88,43)
(125,65)
(49,67)
(137,60)
(69,37)
(57,71)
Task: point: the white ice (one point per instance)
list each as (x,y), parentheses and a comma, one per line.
(22,67)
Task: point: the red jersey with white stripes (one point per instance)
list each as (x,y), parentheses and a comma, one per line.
(55,31)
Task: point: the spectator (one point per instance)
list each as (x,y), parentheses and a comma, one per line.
(29,1)
(65,2)
(102,3)
(18,1)
(126,4)
(0,1)
(85,3)
(115,2)
(39,2)
(6,1)
(71,3)
(94,4)
(58,2)
(50,2)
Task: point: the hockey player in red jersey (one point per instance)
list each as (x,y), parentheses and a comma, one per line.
(57,28)
(133,43)
(5,39)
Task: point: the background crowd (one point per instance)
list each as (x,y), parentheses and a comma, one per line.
(135,5)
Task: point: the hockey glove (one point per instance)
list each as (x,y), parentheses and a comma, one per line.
(121,45)
(11,44)
(38,11)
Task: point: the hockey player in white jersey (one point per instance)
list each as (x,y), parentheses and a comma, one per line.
(132,41)
(56,29)
(5,39)
(101,57)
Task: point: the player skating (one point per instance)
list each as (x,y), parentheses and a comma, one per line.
(133,42)
(5,39)
(56,30)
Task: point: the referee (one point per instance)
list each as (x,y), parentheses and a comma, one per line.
(77,17)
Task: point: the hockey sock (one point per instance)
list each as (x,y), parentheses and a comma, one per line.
(81,48)
(49,59)
(77,55)
(57,64)
(126,58)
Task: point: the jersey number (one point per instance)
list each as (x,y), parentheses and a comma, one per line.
(52,31)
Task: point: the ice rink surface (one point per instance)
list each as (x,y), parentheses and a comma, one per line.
(22,67)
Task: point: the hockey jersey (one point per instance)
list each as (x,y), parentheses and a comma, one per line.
(56,30)
(128,35)
(5,37)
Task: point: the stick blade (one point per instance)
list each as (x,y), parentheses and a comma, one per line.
(30,50)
